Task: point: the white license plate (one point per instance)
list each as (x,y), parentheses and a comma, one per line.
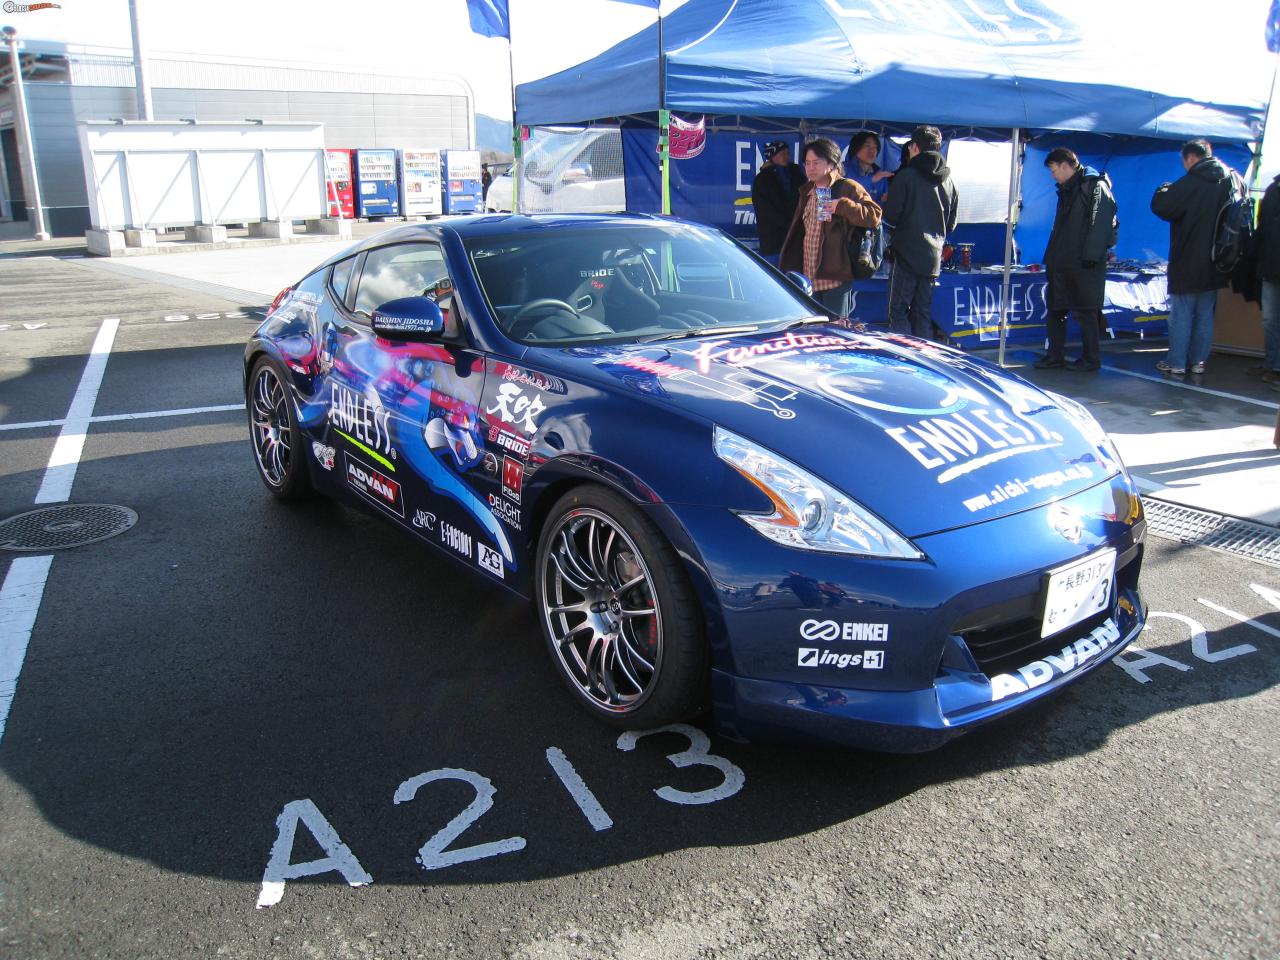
(1078,591)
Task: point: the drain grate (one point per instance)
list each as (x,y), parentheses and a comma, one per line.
(64,526)
(1244,538)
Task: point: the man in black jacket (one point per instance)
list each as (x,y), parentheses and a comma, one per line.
(1268,240)
(1191,206)
(774,194)
(1084,228)
(921,207)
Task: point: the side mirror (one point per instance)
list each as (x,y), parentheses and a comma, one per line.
(801,281)
(409,318)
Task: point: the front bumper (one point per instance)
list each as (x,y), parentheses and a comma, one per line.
(907,651)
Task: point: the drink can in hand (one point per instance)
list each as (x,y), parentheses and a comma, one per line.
(824,197)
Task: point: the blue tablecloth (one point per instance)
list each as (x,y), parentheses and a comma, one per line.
(966,306)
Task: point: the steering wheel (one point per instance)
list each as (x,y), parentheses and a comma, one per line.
(531,313)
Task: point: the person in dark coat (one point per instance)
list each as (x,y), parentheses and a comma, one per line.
(921,208)
(1084,228)
(817,243)
(1191,206)
(774,194)
(1268,270)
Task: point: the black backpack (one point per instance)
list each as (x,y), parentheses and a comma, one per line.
(1233,231)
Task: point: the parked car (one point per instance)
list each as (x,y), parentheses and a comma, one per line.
(571,171)
(710,493)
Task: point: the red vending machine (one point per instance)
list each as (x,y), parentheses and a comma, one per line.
(341,197)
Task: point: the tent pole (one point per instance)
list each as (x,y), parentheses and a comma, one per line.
(664,123)
(1008,241)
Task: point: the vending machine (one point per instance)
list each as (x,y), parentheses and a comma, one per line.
(377,194)
(341,197)
(420,189)
(463,192)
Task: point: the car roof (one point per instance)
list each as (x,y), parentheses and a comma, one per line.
(469,226)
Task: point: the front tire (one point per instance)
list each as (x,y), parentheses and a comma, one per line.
(618,614)
(274,435)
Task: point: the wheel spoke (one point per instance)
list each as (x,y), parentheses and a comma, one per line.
(596,573)
(570,608)
(572,578)
(620,659)
(601,560)
(637,611)
(624,587)
(573,556)
(635,654)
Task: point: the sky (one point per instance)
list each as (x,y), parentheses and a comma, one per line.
(396,37)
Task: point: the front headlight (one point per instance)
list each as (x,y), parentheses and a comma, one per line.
(808,513)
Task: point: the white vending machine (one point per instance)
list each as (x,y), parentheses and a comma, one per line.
(420,187)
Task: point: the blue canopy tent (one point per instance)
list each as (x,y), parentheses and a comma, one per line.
(1085,65)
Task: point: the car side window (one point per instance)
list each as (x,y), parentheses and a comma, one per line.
(403,270)
(406,270)
(341,277)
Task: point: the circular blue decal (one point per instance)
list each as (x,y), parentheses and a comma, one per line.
(894,385)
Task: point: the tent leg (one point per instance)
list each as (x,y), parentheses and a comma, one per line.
(1008,241)
(664,151)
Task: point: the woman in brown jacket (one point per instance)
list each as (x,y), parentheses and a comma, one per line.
(817,242)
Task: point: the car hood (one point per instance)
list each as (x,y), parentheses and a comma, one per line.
(924,436)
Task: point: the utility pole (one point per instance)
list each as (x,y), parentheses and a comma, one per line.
(27,154)
(143,88)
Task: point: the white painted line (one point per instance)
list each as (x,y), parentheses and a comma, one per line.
(19,603)
(113,417)
(1241,617)
(1191,386)
(578,789)
(61,472)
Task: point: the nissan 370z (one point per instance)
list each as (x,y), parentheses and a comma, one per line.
(713,495)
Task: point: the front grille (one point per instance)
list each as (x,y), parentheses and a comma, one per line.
(1009,646)
(1006,636)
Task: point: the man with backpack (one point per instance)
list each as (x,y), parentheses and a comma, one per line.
(1268,268)
(1195,207)
(1084,229)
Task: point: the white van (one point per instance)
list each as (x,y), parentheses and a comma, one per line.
(567,170)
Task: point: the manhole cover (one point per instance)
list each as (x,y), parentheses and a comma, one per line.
(64,526)
(1245,538)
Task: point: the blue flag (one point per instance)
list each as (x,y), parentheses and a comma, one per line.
(1273,27)
(490,18)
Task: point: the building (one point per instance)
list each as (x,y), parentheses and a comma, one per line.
(64,87)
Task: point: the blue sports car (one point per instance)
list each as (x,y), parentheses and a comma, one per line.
(712,494)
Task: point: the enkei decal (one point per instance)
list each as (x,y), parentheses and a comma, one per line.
(828,630)
(817,657)
(489,559)
(374,485)
(324,455)
(512,406)
(424,520)
(1074,655)
(455,539)
(512,477)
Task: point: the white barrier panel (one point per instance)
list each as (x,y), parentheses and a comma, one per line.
(144,174)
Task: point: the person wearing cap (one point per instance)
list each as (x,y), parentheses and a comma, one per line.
(774,195)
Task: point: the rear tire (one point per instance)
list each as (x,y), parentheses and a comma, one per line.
(274,435)
(618,613)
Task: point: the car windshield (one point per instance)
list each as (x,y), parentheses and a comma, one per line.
(573,284)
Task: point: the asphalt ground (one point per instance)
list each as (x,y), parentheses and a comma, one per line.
(232,670)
